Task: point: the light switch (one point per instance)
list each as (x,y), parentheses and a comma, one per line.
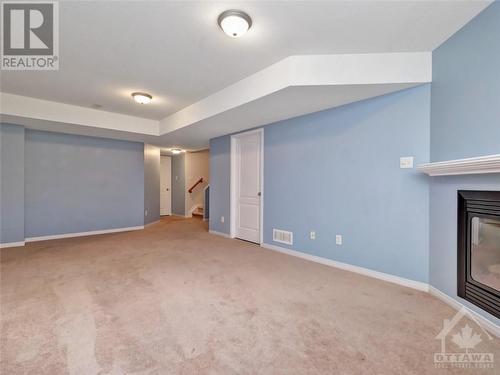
(222,219)
(338,239)
(406,162)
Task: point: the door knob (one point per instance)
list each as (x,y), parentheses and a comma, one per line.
(259,193)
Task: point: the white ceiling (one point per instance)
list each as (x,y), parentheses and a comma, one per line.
(175,51)
(292,87)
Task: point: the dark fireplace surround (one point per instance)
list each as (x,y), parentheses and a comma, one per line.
(479,249)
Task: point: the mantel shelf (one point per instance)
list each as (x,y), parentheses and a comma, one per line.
(478,165)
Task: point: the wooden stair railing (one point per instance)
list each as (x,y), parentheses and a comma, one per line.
(196,184)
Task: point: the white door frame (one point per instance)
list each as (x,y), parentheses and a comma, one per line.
(233,203)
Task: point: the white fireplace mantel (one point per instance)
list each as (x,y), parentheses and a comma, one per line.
(478,165)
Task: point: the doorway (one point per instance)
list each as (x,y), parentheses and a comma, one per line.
(247,158)
(165,185)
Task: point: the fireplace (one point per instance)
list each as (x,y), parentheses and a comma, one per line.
(479,249)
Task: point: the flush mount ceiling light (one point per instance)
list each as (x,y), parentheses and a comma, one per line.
(175,151)
(234,23)
(142,97)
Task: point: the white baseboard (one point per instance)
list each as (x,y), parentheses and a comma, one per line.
(183,216)
(418,285)
(11,244)
(219,233)
(485,323)
(81,234)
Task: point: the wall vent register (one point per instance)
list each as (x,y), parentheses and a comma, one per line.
(282,236)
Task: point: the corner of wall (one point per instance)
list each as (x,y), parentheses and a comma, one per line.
(12,140)
(464,123)
(178,184)
(151,184)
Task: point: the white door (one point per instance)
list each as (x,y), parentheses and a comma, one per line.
(165,185)
(247,158)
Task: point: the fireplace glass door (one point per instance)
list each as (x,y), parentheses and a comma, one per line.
(478,256)
(485,251)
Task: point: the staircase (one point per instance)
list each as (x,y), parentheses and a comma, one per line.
(198,212)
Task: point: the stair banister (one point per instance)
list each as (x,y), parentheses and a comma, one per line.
(196,184)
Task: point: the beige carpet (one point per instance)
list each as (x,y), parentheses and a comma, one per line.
(173,299)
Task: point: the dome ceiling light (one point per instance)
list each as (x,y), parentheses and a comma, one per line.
(234,23)
(142,97)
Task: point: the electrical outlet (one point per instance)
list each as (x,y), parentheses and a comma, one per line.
(222,219)
(312,235)
(406,162)
(338,239)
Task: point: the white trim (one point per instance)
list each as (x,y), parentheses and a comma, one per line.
(485,323)
(478,165)
(80,119)
(418,285)
(225,235)
(154,222)
(183,216)
(81,234)
(11,244)
(397,69)
(306,70)
(232,184)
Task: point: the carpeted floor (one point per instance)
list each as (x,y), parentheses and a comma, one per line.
(173,299)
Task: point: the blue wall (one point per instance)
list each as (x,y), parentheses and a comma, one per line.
(78,184)
(337,172)
(443,230)
(465,90)
(179,184)
(11,183)
(465,122)
(220,180)
(151,184)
